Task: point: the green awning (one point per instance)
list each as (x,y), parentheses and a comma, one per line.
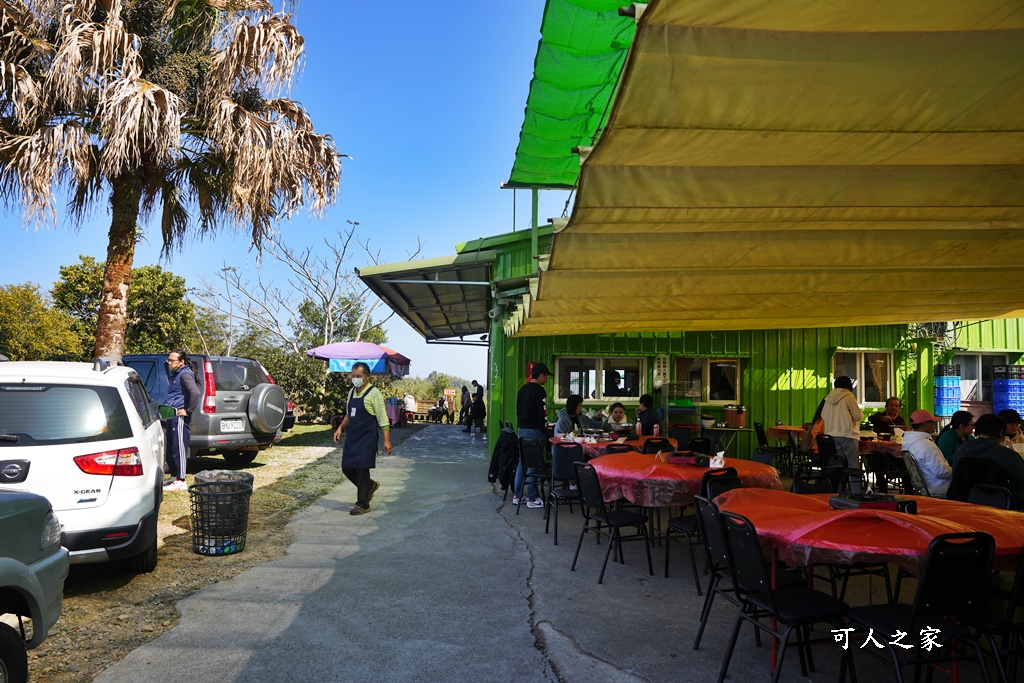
(580,55)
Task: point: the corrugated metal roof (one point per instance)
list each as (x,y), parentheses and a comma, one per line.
(579,57)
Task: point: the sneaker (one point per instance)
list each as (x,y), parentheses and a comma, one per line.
(536,503)
(373,490)
(357,510)
(176,485)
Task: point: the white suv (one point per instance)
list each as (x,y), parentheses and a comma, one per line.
(89,439)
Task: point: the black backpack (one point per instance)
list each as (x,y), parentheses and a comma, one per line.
(504,458)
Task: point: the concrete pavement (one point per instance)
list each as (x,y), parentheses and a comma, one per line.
(441,581)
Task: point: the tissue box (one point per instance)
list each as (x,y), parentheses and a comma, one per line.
(875,501)
(695,459)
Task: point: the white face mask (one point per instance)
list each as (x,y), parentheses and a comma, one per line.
(357,382)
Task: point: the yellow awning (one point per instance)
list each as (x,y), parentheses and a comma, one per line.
(800,164)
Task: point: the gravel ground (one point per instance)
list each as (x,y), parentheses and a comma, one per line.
(108,611)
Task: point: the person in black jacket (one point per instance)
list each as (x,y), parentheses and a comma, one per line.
(646,415)
(478,412)
(183,395)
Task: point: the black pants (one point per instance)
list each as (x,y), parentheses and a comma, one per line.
(361,480)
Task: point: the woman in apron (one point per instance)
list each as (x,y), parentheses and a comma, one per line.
(364,416)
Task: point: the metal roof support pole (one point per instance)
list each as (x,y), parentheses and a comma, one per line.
(534,237)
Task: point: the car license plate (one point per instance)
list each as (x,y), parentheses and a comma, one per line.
(232,425)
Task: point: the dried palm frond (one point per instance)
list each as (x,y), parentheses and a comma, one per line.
(35,163)
(89,55)
(21,34)
(291,111)
(138,119)
(19,90)
(269,52)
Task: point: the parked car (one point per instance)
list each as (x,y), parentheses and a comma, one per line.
(88,438)
(242,410)
(33,566)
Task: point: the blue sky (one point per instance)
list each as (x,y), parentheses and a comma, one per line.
(427,98)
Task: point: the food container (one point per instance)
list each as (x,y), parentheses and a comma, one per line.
(736,416)
(707,421)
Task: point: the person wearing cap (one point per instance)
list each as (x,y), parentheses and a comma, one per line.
(842,417)
(531,416)
(935,471)
(1012,434)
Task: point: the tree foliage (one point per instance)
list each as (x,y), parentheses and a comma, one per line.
(160,315)
(165,108)
(32,329)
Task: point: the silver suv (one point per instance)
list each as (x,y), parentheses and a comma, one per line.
(33,567)
(241,410)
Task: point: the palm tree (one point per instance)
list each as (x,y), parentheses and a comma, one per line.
(169,107)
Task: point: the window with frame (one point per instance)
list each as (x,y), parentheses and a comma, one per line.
(713,380)
(871,372)
(976,374)
(599,379)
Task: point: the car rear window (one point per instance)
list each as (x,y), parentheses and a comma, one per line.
(237,374)
(41,414)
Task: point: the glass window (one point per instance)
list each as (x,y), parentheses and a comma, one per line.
(42,414)
(237,375)
(709,380)
(724,380)
(871,373)
(976,374)
(619,377)
(141,401)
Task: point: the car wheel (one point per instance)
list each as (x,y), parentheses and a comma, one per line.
(13,656)
(144,562)
(240,457)
(267,408)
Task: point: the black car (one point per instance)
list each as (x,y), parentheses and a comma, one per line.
(242,410)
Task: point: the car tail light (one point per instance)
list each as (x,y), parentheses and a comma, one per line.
(269,377)
(124,462)
(209,389)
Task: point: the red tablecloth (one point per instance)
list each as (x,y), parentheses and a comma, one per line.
(804,530)
(594,450)
(888,447)
(645,480)
(779,433)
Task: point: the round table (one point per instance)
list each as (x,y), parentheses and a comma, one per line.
(779,432)
(804,529)
(595,450)
(646,481)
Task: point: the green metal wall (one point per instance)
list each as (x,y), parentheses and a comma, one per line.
(785,372)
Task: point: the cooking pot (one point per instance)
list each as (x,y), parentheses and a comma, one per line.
(736,416)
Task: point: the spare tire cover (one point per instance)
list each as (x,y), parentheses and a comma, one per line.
(267,407)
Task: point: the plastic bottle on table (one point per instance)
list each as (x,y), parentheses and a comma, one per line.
(639,429)
(657,430)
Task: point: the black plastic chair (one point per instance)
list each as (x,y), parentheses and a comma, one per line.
(619,448)
(815,484)
(950,600)
(531,454)
(594,510)
(762,455)
(658,444)
(915,476)
(763,606)
(688,526)
(1004,619)
(701,444)
(992,496)
(719,485)
(798,457)
(829,456)
(682,437)
(974,470)
(717,552)
(780,454)
(563,455)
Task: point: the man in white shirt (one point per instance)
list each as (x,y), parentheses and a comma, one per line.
(935,471)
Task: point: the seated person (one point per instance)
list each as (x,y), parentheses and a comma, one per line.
(571,418)
(616,418)
(989,429)
(1012,435)
(959,430)
(935,471)
(410,406)
(646,415)
(890,418)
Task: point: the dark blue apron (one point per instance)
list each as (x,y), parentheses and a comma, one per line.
(360,449)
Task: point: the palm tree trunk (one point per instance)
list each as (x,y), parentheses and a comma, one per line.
(113,315)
